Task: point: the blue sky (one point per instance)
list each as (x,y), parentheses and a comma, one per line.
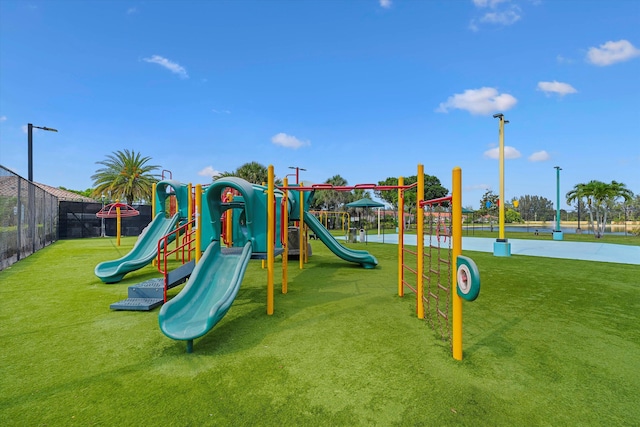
(365,88)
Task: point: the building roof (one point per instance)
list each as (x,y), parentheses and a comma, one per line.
(64,195)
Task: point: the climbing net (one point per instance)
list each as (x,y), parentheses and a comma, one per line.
(437,265)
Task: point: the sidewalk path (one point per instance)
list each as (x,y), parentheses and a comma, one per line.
(586,251)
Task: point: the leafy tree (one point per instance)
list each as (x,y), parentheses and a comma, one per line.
(253,172)
(86,193)
(126,176)
(535,208)
(601,198)
(433,189)
(332,200)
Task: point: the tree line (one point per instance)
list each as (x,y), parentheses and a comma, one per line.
(128,176)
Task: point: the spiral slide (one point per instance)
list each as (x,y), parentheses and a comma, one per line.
(363,258)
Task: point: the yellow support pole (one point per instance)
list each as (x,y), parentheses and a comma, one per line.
(153,212)
(270,239)
(303,249)
(198,221)
(153,200)
(118,224)
(420,243)
(189,214)
(285,242)
(456,240)
(228,231)
(400,237)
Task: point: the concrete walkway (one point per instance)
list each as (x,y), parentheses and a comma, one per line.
(586,251)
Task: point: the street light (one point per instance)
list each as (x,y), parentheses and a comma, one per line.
(32,195)
(501,247)
(297,172)
(30,128)
(557,232)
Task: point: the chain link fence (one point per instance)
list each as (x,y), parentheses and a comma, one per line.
(78,220)
(28,218)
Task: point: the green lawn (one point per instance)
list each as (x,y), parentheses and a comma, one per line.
(549,342)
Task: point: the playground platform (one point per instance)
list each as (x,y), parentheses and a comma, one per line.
(585,251)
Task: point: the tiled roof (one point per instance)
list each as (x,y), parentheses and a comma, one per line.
(64,195)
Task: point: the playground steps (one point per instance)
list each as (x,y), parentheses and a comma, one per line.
(147,295)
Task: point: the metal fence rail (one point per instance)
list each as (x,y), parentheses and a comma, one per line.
(28,218)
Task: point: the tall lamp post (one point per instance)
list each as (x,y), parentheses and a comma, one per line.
(501,247)
(32,195)
(557,232)
(30,129)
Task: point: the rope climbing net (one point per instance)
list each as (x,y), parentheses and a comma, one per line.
(438,265)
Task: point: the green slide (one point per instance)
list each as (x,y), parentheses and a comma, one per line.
(208,294)
(363,258)
(145,250)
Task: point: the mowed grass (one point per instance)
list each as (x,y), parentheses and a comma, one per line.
(549,342)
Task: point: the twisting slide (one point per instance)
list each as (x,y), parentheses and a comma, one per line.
(363,258)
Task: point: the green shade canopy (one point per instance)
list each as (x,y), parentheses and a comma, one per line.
(467,211)
(365,203)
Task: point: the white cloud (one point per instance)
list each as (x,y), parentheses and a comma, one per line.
(562,60)
(169,65)
(505,17)
(485,100)
(221,111)
(539,156)
(385,3)
(209,171)
(556,87)
(132,10)
(288,141)
(611,52)
(509,153)
(488,3)
(3,119)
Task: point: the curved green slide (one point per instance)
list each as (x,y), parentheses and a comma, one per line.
(145,250)
(363,258)
(208,294)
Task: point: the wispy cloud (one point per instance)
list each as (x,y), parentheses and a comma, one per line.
(385,3)
(539,156)
(558,88)
(611,52)
(288,141)
(174,67)
(209,171)
(3,119)
(509,153)
(132,10)
(221,111)
(485,100)
(501,12)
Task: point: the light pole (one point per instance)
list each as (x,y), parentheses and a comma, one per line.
(297,172)
(557,232)
(30,128)
(501,247)
(32,195)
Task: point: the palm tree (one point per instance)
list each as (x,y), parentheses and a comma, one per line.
(126,175)
(253,172)
(600,198)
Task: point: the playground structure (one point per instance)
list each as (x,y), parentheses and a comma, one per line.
(225,229)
